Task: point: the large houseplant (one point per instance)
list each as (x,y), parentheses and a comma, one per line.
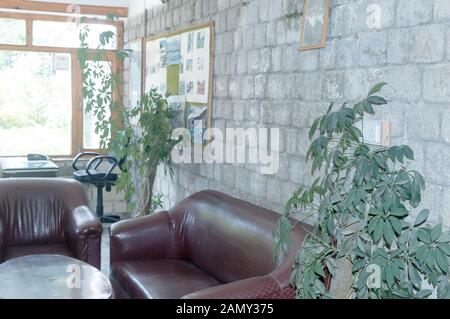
(140,133)
(365,237)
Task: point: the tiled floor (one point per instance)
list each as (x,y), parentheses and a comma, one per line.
(105,250)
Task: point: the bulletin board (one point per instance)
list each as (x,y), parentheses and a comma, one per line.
(181,63)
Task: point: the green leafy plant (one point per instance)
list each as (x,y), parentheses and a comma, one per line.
(363,203)
(140,133)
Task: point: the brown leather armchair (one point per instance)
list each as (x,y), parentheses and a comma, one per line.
(208,246)
(47,216)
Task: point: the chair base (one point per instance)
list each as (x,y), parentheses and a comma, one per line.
(109,219)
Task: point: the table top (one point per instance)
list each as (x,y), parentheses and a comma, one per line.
(22,164)
(52,277)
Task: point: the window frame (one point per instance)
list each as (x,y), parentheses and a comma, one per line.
(76,81)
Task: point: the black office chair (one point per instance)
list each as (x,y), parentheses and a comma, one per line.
(100,179)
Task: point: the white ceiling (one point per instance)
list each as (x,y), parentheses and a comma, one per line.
(111,3)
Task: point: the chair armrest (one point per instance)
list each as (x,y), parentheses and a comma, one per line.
(81,155)
(252,288)
(83,233)
(2,242)
(96,161)
(149,237)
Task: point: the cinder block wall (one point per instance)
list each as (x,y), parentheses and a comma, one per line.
(262,79)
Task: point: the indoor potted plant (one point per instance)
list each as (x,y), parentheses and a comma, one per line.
(364,238)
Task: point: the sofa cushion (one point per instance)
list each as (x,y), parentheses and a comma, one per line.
(159,279)
(54,249)
(229,239)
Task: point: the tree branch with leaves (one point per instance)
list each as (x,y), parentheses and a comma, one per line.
(140,133)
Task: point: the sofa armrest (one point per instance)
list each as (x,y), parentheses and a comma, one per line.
(2,241)
(253,288)
(149,237)
(83,233)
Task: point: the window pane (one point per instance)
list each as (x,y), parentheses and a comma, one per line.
(13,31)
(35,107)
(91,140)
(66,34)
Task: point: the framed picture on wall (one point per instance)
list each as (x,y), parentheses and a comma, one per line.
(314,24)
(181,64)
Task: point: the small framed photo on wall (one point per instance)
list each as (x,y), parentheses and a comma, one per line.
(314,24)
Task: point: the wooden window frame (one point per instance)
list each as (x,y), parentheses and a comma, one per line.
(76,81)
(62,7)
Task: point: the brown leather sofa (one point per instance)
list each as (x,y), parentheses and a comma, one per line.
(208,246)
(47,216)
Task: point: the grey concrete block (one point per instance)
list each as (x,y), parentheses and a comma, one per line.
(414,12)
(253,61)
(356,85)
(260,86)
(276,87)
(405,82)
(376,14)
(372,48)
(437,169)
(421,129)
(436,83)
(333,88)
(398,46)
(346,53)
(276,58)
(343,20)
(427,44)
(258,185)
(442,10)
(265,60)
(248,87)
(308,60)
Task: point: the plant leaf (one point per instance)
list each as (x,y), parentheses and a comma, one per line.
(442,261)
(423,294)
(422,217)
(376,100)
(436,232)
(376,88)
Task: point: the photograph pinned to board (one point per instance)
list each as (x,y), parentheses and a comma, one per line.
(314,24)
(189,65)
(200,64)
(196,121)
(180,63)
(163,53)
(190,42)
(190,87)
(182,88)
(173,53)
(200,40)
(201,88)
(176,103)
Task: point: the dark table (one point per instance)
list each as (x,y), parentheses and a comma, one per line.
(52,277)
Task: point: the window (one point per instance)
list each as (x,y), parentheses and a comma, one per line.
(91,140)
(13,31)
(65,34)
(35,107)
(41,104)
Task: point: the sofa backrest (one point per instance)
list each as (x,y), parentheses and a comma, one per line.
(228,238)
(32,210)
